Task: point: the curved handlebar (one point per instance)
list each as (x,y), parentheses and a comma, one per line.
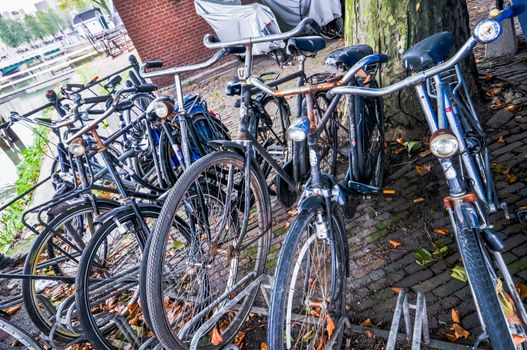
(306,26)
(178,70)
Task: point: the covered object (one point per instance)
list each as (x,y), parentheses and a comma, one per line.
(291,12)
(232,21)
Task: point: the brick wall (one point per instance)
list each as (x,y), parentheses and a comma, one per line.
(169,30)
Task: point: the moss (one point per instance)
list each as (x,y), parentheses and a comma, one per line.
(378,234)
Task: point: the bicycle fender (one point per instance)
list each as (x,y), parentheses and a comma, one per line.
(63,206)
(312,204)
(122,209)
(227,145)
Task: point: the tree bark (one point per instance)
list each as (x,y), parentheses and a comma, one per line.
(393,26)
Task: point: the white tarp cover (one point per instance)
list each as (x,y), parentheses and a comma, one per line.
(232,21)
(291,12)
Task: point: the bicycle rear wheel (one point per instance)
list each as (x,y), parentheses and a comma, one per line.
(17,338)
(308,295)
(185,278)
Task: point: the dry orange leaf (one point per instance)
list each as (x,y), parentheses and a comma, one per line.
(522,290)
(441,231)
(425,153)
(518,339)
(397,290)
(292,212)
(422,170)
(330,326)
(501,139)
(395,244)
(388,191)
(366,323)
(11,310)
(511,178)
(216,337)
(263,346)
(510,108)
(287,224)
(238,340)
(399,150)
(459,331)
(399,140)
(455,316)
(419,200)
(369,334)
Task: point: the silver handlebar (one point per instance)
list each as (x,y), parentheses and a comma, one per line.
(212,44)
(413,80)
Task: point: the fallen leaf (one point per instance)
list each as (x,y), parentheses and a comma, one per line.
(216,337)
(425,153)
(422,169)
(522,290)
(441,231)
(459,273)
(417,6)
(459,331)
(501,139)
(11,310)
(419,200)
(413,146)
(369,334)
(455,316)
(399,150)
(510,108)
(366,323)
(263,346)
(511,178)
(292,212)
(423,257)
(238,339)
(388,191)
(518,339)
(399,140)
(397,290)
(395,244)
(330,326)
(494,91)
(488,77)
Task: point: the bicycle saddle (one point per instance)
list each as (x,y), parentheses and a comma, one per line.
(429,51)
(305,44)
(346,57)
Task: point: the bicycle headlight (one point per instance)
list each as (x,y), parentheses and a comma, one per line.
(487,31)
(298,129)
(77,147)
(443,144)
(160,107)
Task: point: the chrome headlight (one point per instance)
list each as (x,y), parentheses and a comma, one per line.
(443,144)
(298,129)
(77,147)
(160,107)
(487,31)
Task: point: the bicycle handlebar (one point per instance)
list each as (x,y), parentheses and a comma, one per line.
(306,26)
(178,70)
(420,77)
(509,12)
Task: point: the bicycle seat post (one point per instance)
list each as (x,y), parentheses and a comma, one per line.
(243,74)
(182,121)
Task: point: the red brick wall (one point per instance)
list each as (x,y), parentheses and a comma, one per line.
(168,30)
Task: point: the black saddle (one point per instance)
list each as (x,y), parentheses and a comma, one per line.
(346,57)
(305,44)
(429,51)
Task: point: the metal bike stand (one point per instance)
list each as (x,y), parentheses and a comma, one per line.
(420,332)
(264,281)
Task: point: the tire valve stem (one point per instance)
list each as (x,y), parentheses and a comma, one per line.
(321,226)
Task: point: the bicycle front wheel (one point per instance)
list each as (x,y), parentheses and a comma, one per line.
(228,222)
(308,295)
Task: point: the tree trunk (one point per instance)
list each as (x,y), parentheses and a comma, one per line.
(392,27)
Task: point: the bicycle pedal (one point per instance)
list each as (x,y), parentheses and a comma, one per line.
(362,188)
(521,215)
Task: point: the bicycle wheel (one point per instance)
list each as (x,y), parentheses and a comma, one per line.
(484,290)
(17,338)
(369,136)
(229,241)
(308,296)
(56,252)
(107,284)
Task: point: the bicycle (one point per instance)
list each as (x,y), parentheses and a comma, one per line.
(223,198)
(16,336)
(457,132)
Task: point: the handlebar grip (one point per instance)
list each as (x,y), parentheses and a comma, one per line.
(235,50)
(210,39)
(71,86)
(96,99)
(153,64)
(146,88)
(135,80)
(133,60)
(509,12)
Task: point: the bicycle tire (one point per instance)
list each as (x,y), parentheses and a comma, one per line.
(98,333)
(37,255)
(19,334)
(287,267)
(484,290)
(189,181)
